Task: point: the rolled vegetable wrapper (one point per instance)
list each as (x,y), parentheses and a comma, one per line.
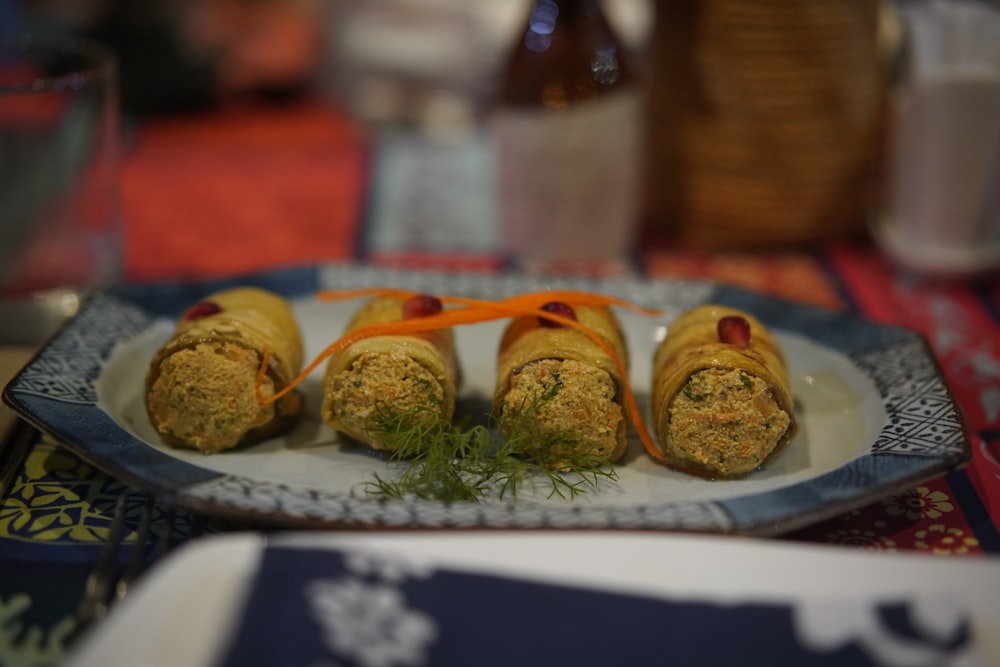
(389,376)
(721,403)
(201,384)
(581,414)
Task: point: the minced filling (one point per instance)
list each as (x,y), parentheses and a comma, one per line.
(579,413)
(725,421)
(394,383)
(204,396)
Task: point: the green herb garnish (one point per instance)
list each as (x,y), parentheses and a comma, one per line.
(473,463)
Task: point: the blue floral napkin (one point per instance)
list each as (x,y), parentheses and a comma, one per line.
(322,608)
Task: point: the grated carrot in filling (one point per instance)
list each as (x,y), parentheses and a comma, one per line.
(473,311)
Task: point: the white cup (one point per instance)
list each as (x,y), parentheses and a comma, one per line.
(941,209)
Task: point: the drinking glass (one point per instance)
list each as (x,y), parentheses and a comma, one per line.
(60,222)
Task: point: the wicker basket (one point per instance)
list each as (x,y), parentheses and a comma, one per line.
(766,119)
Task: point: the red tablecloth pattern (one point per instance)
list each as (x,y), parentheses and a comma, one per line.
(246,190)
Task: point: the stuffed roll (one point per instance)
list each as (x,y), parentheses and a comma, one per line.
(392,375)
(201,385)
(721,400)
(569,388)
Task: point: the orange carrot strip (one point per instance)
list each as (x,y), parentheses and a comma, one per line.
(535,300)
(577,298)
(475,311)
(442,320)
(340,295)
(528,299)
(630,401)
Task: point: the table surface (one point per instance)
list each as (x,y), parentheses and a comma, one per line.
(254,188)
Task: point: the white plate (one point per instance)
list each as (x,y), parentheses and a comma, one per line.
(875,415)
(186,611)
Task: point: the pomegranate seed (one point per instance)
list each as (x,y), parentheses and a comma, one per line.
(556,308)
(734,330)
(421,305)
(202,309)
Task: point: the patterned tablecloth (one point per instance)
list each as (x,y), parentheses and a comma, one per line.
(253,189)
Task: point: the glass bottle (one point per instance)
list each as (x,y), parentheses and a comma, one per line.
(568,128)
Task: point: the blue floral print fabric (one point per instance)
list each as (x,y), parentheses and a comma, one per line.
(320,607)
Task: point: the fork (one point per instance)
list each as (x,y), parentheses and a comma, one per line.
(109,582)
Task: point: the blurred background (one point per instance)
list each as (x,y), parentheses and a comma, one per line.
(420,77)
(388,61)
(766,123)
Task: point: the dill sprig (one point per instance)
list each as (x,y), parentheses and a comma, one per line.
(447,462)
